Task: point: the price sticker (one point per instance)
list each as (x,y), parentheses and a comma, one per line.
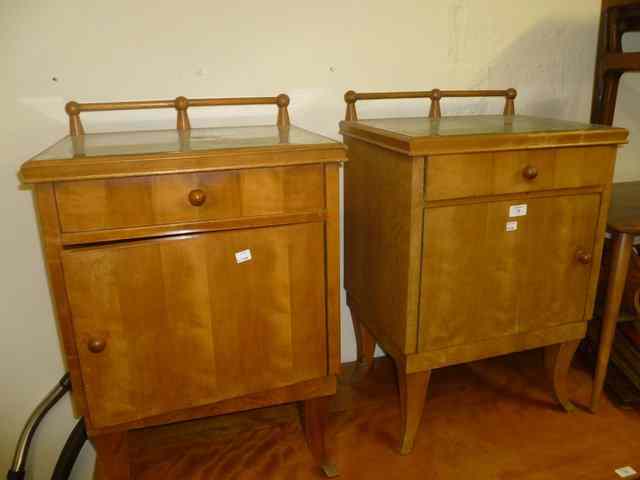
(518,210)
(243,256)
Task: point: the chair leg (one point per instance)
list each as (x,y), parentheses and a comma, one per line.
(620,256)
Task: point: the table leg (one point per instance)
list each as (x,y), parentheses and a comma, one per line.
(622,243)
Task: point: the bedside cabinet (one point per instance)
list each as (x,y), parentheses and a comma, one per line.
(470,237)
(195,271)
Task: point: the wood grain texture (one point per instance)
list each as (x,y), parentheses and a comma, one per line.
(421,138)
(165,199)
(44,198)
(485,289)
(162,163)
(620,256)
(413,392)
(175,325)
(315,419)
(557,362)
(318,387)
(187,228)
(112,452)
(383,205)
(522,280)
(458,176)
(195,273)
(435,95)
(492,347)
(491,419)
(180,104)
(332,264)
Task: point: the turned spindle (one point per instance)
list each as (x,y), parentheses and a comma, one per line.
(435,95)
(181,104)
(282,101)
(350,97)
(75,125)
(509,105)
(434,111)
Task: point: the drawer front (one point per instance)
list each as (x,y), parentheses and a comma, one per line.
(191,323)
(482,280)
(166,199)
(494,173)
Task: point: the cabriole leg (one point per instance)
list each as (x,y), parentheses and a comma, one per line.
(557,359)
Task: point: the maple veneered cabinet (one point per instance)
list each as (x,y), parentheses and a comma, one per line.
(472,236)
(195,271)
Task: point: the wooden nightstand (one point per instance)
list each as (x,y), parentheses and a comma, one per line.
(470,237)
(195,271)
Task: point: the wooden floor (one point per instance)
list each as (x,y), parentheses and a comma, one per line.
(492,419)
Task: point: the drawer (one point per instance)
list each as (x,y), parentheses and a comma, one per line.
(187,197)
(494,173)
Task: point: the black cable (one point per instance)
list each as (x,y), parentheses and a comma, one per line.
(69,452)
(13,475)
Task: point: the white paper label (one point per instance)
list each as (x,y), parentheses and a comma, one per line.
(511,226)
(518,210)
(625,472)
(243,256)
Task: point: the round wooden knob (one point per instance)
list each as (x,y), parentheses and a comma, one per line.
(530,172)
(197,197)
(584,257)
(96,345)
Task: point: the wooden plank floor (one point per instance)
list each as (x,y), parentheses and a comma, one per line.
(492,419)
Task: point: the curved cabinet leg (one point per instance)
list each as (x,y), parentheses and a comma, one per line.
(620,255)
(557,359)
(315,419)
(112,461)
(365,342)
(413,392)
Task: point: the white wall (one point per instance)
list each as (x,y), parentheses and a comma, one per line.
(123,49)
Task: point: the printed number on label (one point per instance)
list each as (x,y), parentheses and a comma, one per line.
(518,210)
(243,256)
(511,226)
(625,472)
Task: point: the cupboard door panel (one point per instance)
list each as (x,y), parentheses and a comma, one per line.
(469,288)
(481,280)
(553,280)
(184,324)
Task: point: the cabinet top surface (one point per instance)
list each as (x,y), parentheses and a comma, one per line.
(107,154)
(173,141)
(478,133)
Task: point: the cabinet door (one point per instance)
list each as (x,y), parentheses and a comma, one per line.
(180,322)
(553,280)
(482,280)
